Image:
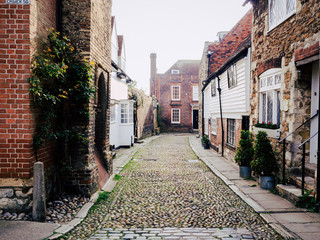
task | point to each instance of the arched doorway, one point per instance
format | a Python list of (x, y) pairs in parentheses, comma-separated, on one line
[(101, 119)]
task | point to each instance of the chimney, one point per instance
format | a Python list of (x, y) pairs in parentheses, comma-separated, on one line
[(153, 72)]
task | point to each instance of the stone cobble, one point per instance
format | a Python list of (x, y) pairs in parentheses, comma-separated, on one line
[(173, 233), (167, 193)]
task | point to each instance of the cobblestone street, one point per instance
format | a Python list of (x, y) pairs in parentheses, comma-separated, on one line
[(165, 192)]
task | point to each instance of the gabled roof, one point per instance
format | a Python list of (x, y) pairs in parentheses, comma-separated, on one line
[(189, 67), (238, 37), (120, 44)]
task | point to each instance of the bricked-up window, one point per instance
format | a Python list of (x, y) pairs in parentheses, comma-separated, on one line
[(175, 115), (214, 126), (195, 93), (113, 113), (175, 93), (269, 109), (280, 10), (175, 71), (213, 87), (232, 76), (231, 125)]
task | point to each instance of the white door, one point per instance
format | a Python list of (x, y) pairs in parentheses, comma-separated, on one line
[(314, 108)]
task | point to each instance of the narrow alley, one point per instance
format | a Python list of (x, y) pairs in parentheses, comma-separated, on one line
[(166, 192)]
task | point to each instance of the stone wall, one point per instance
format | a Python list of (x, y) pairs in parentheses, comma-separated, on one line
[(294, 39), (88, 24), (145, 116)]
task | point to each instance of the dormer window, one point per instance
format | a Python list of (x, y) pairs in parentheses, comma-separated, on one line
[(175, 71), (280, 10)]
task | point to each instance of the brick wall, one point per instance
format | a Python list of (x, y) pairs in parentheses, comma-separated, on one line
[(88, 24), (295, 39)]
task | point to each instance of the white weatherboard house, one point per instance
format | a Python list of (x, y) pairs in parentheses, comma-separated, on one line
[(121, 108)]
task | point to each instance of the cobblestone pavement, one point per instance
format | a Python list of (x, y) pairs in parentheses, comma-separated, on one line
[(166, 193)]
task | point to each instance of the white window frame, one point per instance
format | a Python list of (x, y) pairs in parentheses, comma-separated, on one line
[(172, 93), (280, 17), (113, 115), (232, 76), (206, 126), (175, 71), (130, 114), (213, 126), (270, 83), (213, 87), (172, 115), (231, 132), (195, 93)]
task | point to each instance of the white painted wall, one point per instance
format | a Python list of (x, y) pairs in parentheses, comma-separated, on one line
[(235, 100), (119, 88), (121, 134)]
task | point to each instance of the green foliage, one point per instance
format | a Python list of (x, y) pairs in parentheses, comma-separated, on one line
[(264, 161), (135, 94), (308, 202), (61, 87), (244, 154), (117, 177), (205, 139), (103, 196), (268, 125)]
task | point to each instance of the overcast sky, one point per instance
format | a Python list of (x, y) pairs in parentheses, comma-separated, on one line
[(173, 29)]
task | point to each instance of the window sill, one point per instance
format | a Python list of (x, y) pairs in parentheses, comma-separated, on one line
[(272, 133), (175, 122), (230, 146)]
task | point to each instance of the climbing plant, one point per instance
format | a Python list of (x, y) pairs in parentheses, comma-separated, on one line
[(61, 87)]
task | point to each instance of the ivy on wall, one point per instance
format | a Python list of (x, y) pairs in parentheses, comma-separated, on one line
[(61, 87)]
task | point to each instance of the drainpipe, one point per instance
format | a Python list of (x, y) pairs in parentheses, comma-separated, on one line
[(318, 155), (202, 113), (222, 135)]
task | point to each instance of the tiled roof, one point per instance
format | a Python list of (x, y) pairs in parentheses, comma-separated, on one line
[(120, 44), (189, 67), (232, 43)]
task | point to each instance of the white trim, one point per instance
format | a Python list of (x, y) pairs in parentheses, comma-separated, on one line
[(269, 78), (175, 99), (172, 109)]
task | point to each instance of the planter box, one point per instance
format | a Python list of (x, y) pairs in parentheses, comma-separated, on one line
[(272, 133)]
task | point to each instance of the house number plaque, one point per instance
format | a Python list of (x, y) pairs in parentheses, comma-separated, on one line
[(23, 2)]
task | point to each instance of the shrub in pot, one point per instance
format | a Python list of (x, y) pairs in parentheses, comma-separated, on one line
[(205, 141), (264, 161), (244, 154)]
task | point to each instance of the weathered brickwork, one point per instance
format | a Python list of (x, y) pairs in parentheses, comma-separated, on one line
[(295, 39), (20, 27), (88, 24), (186, 78)]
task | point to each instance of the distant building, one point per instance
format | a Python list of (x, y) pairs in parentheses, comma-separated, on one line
[(177, 93), (121, 108), (229, 71)]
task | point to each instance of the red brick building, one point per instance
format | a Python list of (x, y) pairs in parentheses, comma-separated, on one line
[(177, 93), (22, 23)]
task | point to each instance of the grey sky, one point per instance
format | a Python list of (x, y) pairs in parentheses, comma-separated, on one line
[(173, 29)]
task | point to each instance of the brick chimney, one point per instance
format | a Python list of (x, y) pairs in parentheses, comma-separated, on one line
[(153, 72)]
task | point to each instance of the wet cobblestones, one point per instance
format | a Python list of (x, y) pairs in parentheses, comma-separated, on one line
[(164, 187)]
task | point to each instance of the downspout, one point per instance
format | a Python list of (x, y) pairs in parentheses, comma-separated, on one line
[(222, 129), (202, 91), (318, 155)]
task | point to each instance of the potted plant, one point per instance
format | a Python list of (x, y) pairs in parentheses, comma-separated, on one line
[(244, 154), (264, 161), (205, 141)]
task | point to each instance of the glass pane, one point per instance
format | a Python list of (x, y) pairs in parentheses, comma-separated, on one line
[(269, 107), (278, 108), (277, 79), (281, 12), (291, 6), (264, 108), (272, 13)]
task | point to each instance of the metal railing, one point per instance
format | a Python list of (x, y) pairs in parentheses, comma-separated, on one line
[(303, 145), (283, 140)]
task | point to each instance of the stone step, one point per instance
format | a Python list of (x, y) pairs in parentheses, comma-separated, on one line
[(289, 192), (296, 180)]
